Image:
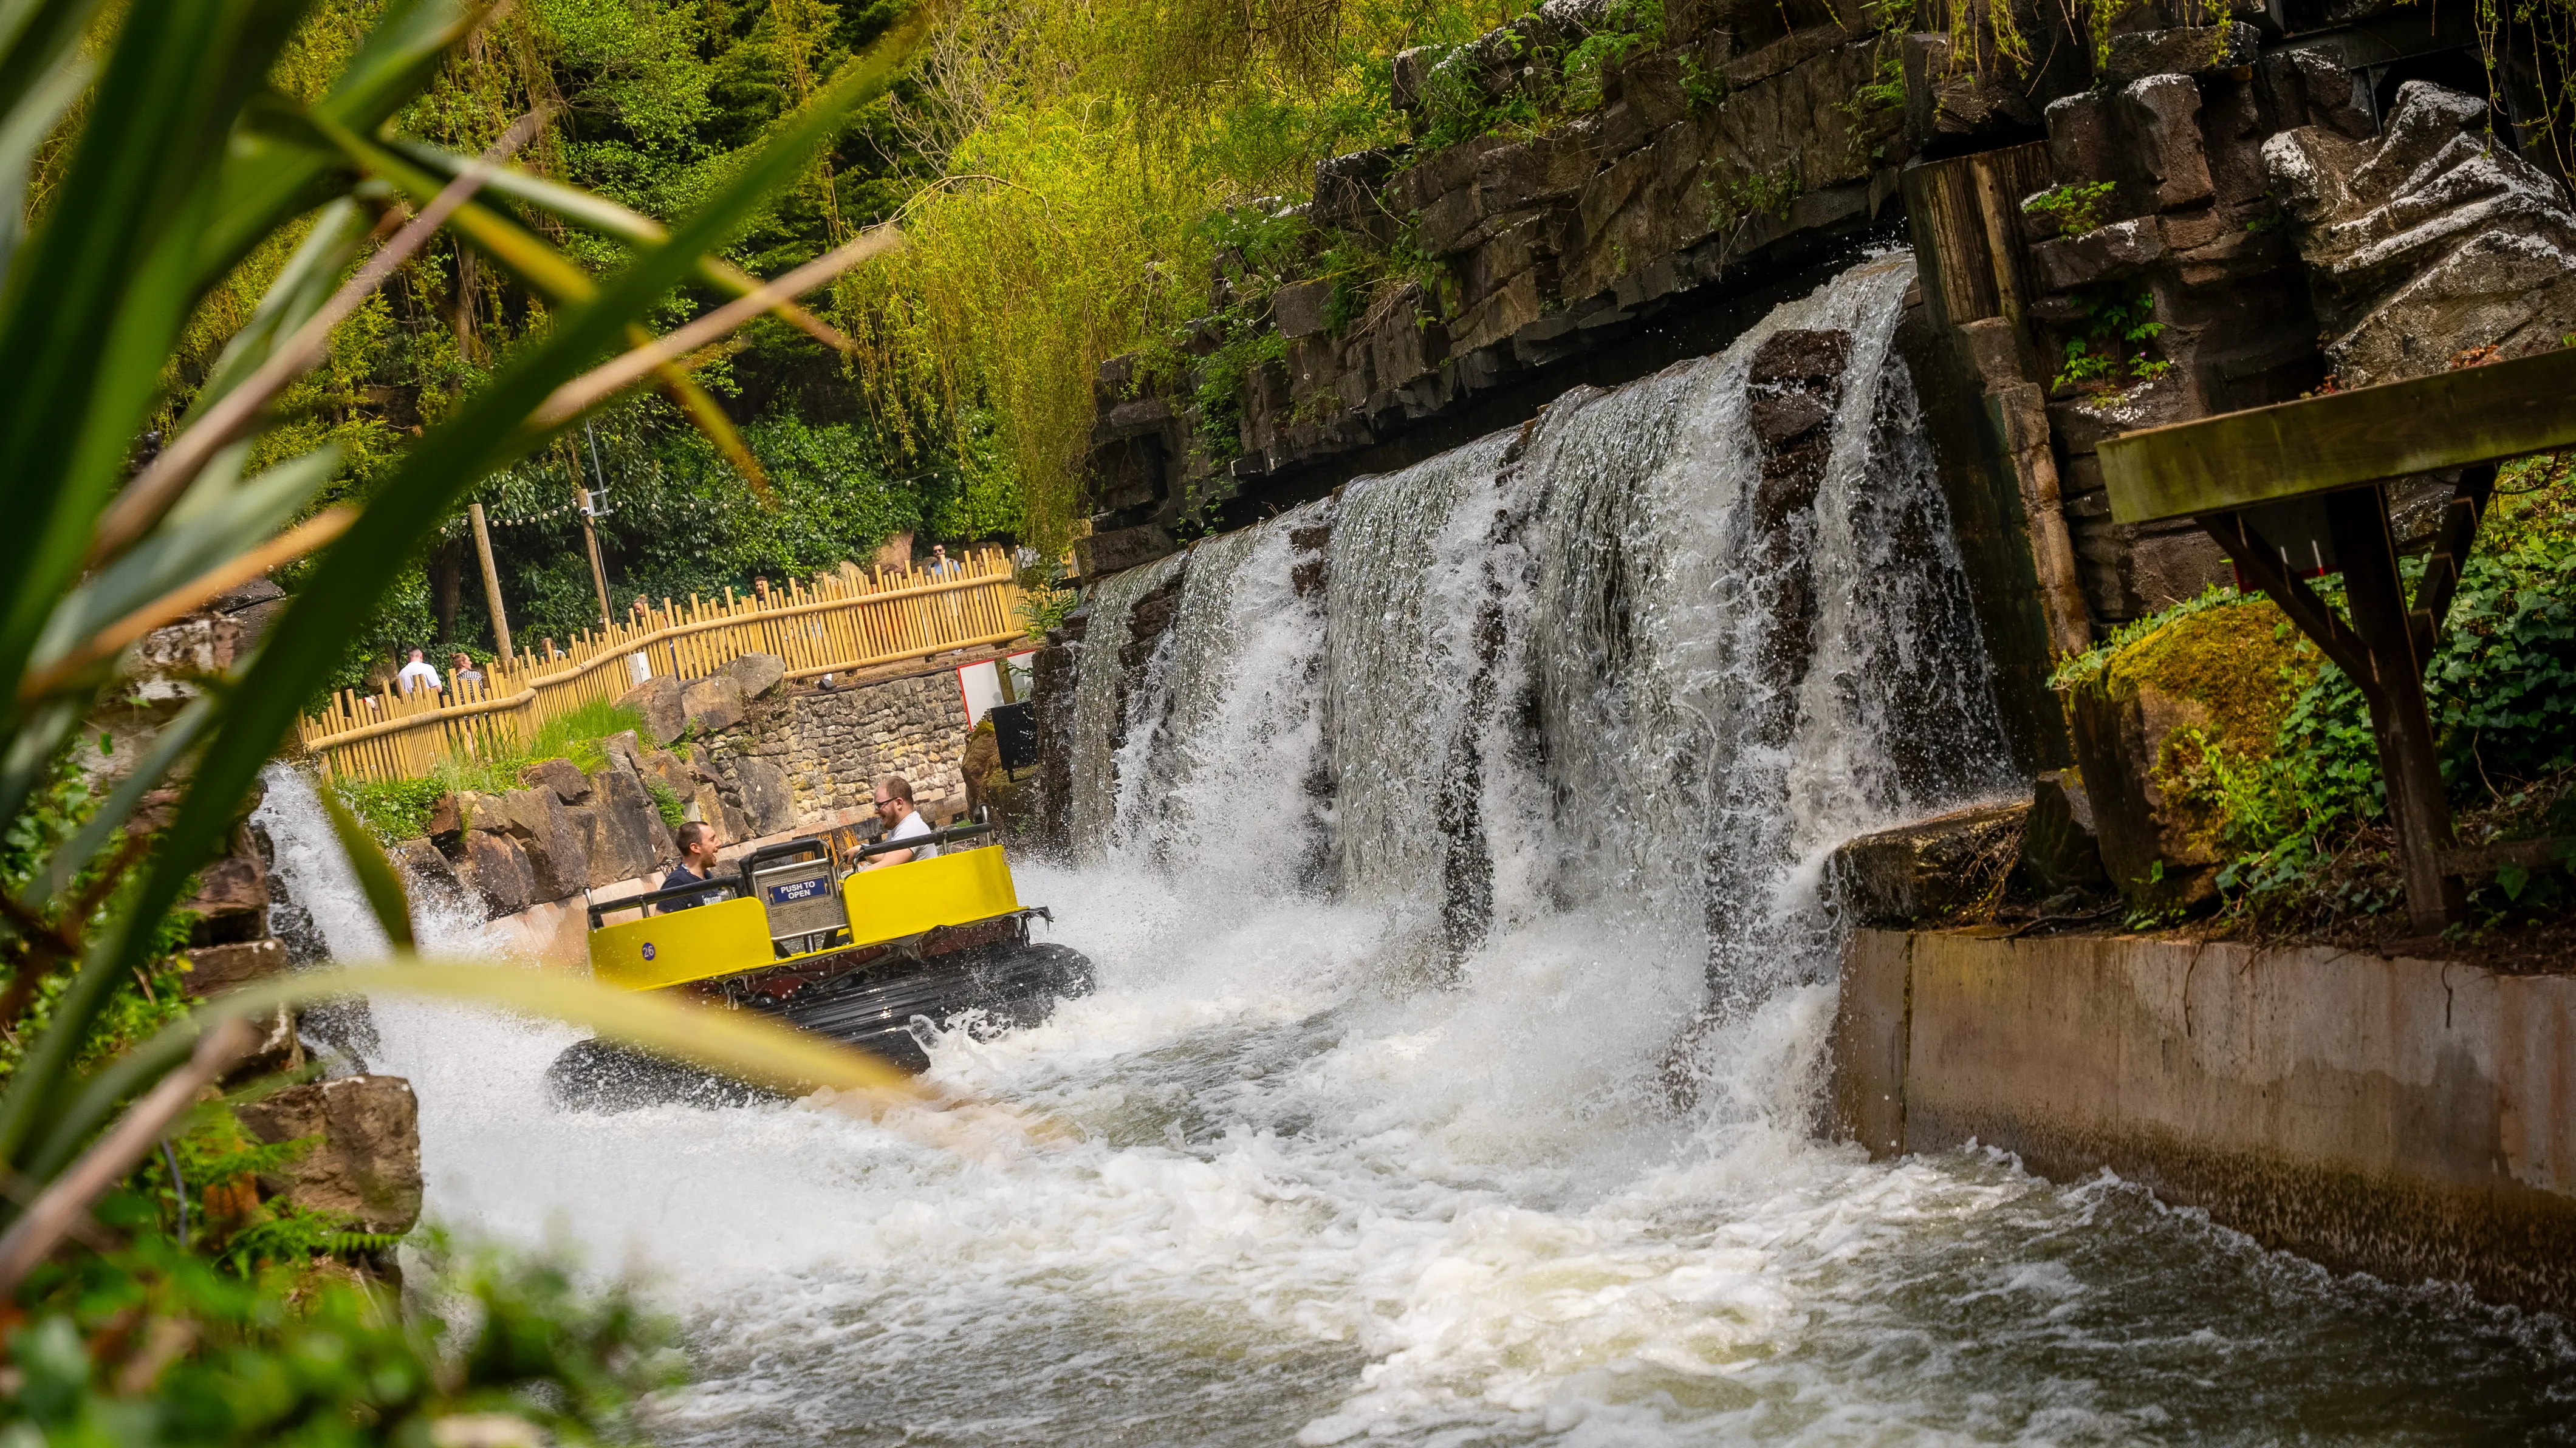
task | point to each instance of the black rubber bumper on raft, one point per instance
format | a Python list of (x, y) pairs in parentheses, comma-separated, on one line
[(995, 989)]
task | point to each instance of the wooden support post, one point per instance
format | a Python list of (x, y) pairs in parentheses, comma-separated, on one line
[(2418, 807), (491, 583)]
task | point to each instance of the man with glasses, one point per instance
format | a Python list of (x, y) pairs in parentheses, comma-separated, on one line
[(902, 822)]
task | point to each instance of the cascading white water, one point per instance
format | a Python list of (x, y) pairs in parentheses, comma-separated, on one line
[(1400, 890)]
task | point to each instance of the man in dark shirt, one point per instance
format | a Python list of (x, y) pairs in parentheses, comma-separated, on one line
[(697, 842)]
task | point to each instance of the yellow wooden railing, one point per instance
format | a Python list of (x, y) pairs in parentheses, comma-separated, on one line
[(832, 624)]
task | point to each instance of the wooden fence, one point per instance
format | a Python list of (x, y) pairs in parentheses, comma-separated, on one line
[(826, 625)]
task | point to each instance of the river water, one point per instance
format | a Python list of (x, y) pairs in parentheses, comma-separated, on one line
[(1453, 1073)]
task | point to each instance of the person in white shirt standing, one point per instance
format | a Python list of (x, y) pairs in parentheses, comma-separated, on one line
[(902, 822), (418, 674)]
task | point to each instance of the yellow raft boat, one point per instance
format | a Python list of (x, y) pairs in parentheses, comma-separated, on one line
[(873, 957)]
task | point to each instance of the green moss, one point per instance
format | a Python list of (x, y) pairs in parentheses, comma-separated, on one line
[(2241, 661)]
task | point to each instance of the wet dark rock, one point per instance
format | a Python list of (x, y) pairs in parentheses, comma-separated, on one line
[(497, 870), (427, 874), (1927, 871), (2059, 851), (2186, 50)]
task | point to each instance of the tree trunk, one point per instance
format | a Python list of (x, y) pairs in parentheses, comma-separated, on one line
[(447, 584)]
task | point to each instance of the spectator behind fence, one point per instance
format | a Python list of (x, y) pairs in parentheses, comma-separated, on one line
[(697, 842), (902, 822), (461, 671), (417, 675)]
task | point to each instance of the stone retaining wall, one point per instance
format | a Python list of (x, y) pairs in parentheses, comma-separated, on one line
[(2409, 1118), (807, 752)]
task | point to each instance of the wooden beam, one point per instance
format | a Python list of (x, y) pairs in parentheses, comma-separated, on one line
[(2257, 559), (2441, 579), (2318, 444)]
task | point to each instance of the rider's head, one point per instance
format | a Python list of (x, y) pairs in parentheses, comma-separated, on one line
[(894, 799)]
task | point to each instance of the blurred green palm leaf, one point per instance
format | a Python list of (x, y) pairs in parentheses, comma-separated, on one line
[(181, 164)]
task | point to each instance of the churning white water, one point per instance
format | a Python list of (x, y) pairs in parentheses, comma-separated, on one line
[(1411, 848)]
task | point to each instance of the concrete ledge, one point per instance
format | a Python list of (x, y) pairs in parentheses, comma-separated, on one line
[(2409, 1118)]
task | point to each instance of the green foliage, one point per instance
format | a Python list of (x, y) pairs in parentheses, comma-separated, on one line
[(1629, 27), (2501, 689), (1733, 204), (2111, 341), (399, 809), (2074, 208), (154, 1345), (667, 803), (396, 809), (1705, 90)]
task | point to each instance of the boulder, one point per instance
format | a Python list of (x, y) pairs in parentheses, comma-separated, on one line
[(280, 1049), (1298, 309), (366, 1165), (231, 903), (1929, 870), (625, 751), (621, 830), (216, 968), (2163, 112), (2106, 253), (657, 701), (766, 802), (2185, 50), (2429, 243), (757, 674), (555, 844), (428, 876), (496, 868), (447, 822), (712, 705), (2058, 849), (562, 776)]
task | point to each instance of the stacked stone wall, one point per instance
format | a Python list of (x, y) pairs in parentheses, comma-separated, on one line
[(809, 752)]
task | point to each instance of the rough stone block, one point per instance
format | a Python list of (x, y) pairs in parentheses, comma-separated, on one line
[(1929, 869), (713, 704), (1102, 554), (2188, 50), (1298, 310), (231, 903), (766, 799), (2058, 849), (496, 868), (562, 776), (758, 675), (2106, 253), (658, 701), (555, 844), (2080, 144), (625, 751), (622, 844), (427, 875), (367, 1164), (214, 968), (447, 822), (2163, 114)]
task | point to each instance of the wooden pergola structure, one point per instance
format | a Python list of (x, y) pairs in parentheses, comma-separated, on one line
[(2300, 489)]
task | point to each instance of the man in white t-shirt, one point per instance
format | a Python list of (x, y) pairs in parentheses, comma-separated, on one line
[(902, 822), (418, 674)]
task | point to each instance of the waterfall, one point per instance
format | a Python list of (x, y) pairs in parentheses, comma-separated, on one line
[(1621, 660)]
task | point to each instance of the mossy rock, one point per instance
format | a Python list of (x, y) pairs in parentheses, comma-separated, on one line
[(2222, 675)]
